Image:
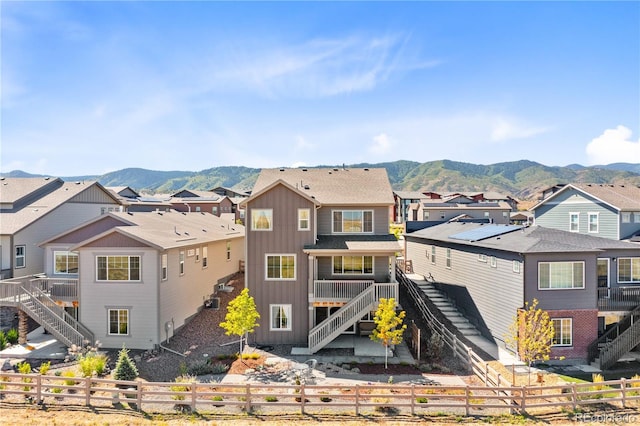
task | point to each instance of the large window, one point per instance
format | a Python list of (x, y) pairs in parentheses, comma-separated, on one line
[(629, 269), (262, 219), (304, 223), (119, 321), (353, 265), (21, 256), (280, 317), (165, 266), (562, 335), (65, 262), (118, 268), (593, 222), (352, 221), (281, 267), (560, 275), (574, 222)]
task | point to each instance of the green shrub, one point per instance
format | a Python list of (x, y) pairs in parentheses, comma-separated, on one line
[(44, 367), (25, 368), (69, 374), (219, 368), (181, 386), (92, 363), (12, 336), (635, 385), (125, 368), (3, 340), (217, 398)]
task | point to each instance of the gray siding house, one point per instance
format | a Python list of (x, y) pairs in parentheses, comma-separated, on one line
[(319, 252), (490, 271), (608, 211)]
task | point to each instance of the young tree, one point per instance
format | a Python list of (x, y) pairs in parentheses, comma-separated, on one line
[(532, 333), (125, 368), (242, 316), (388, 330)]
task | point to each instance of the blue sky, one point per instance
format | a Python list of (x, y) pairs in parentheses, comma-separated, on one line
[(93, 87)]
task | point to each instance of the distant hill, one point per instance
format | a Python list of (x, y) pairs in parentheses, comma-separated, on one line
[(521, 179)]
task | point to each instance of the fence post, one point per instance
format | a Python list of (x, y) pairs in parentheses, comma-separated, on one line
[(247, 396), (413, 399), (38, 389), (523, 403), (486, 373), (467, 401), (574, 396), (193, 396), (302, 398), (139, 395), (357, 400), (623, 391), (87, 391)]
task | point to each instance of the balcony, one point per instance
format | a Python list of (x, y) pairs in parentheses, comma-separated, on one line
[(342, 291), (64, 291), (618, 298)]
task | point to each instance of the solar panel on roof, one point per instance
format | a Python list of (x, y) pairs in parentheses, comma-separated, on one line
[(149, 200), (484, 232)]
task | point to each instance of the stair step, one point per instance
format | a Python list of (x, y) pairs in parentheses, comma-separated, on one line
[(470, 332)]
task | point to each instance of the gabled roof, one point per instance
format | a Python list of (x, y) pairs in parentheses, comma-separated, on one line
[(193, 193), (166, 230), (619, 197), (12, 190), (273, 184), (532, 239), (12, 222), (333, 186), (409, 195), (441, 204)]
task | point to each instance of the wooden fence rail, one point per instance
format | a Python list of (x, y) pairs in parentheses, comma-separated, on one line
[(417, 399)]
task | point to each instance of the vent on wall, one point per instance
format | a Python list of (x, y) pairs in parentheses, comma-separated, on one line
[(213, 303)]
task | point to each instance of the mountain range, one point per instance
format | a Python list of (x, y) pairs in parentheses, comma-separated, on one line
[(521, 179)]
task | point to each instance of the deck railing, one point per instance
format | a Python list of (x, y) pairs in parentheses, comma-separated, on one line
[(339, 290), (618, 298)]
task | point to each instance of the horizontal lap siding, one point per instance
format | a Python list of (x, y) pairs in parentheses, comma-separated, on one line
[(492, 294), (283, 239)]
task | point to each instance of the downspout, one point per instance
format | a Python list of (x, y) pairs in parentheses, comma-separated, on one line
[(172, 351)]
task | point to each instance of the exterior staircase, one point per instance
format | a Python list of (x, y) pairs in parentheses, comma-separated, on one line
[(29, 296), (336, 323), (617, 341), (448, 309)]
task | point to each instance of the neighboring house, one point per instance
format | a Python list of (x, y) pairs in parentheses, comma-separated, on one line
[(228, 192), (319, 252), (609, 211), (521, 218), (188, 200), (33, 209), (134, 278), (403, 201), (585, 283), (135, 202)]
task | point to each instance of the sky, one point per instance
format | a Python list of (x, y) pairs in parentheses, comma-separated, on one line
[(93, 87)]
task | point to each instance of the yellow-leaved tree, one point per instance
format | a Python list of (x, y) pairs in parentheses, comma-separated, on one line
[(389, 327), (532, 333), (242, 316)]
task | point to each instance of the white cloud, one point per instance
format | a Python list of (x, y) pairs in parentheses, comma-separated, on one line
[(382, 144), (505, 129), (303, 144), (614, 146)]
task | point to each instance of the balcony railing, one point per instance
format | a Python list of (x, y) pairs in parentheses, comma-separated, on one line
[(618, 298), (339, 290)]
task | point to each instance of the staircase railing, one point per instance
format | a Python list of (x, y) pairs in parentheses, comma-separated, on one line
[(611, 353), (349, 314), (597, 346)]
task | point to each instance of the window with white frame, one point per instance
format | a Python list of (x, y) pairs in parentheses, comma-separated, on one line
[(197, 254), (626, 217), (228, 250), (628, 269), (65, 262), (560, 275), (448, 258), (352, 221), (280, 317), (574, 222), (119, 322), (281, 267), (515, 266), (636, 217), (493, 262), (562, 332), (304, 222), (593, 222), (505, 214), (353, 265), (214, 210), (482, 258), (198, 209), (205, 256), (118, 268), (425, 214), (21, 256), (486, 214), (181, 262), (165, 266), (433, 255), (262, 219)]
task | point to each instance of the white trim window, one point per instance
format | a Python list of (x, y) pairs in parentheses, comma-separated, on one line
[(228, 251), (563, 332), (118, 320), (626, 217), (181, 262), (448, 258), (65, 262), (493, 262), (304, 219), (205, 256), (165, 266), (560, 275), (425, 214), (574, 222), (261, 219), (353, 221), (594, 223), (628, 269), (482, 258), (21, 256), (352, 265), (117, 268), (280, 317), (197, 254), (433, 255), (515, 266), (280, 267), (636, 217)]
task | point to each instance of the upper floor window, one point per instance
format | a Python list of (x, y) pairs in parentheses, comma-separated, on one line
[(493, 262), (425, 215), (574, 222), (197, 254), (214, 210), (562, 335), (482, 257), (181, 264), (486, 214), (65, 262), (198, 209), (262, 219), (636, 217), (354, 265), (304, 224), (515, 266), (448, 258), (433, 254), (228, 250), (560, 275), (118, 268), (593, 222), (352, 221), (628, 269), (21, 256), (281, 267), (205, 256), (165, 266), (626, 217)]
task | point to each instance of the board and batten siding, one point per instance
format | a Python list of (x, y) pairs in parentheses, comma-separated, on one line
[(284, 238), (488, 296), (555, 214), (380, 218), (140, 298)]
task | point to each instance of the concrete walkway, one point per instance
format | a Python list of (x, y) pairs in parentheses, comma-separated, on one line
[(39, 346)]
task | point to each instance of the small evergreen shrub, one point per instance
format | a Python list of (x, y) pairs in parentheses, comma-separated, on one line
[(202, 367), (125, 368), (12, 336)]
